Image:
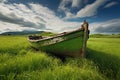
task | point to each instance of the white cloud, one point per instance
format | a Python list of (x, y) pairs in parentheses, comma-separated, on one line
[(9, 27), (19, 17), (67, 5), (76, 3), (69, 14), (110, 4), (63, 7), (90, 9), (14, 13), (63, 4), (6, 27), (105, 27), (3, 1)]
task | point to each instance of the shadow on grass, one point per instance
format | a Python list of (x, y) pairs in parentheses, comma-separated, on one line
[(108, 64)]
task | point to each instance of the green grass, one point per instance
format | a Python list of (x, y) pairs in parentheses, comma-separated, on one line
[(105, 52), (13, 44), (48, 34), (18, 61), (105, 35)]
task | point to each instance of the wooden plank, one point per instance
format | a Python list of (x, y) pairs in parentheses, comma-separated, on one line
[(85, 26)]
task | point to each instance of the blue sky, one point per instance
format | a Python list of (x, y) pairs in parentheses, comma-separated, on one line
[(59, 15)]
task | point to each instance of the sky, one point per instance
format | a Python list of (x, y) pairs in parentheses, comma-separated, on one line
[(59, 16)]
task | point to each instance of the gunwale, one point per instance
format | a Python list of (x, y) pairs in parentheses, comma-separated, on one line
[(59, 35)]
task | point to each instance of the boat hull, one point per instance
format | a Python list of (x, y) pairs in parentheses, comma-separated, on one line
[(67, 45), (72, 47)]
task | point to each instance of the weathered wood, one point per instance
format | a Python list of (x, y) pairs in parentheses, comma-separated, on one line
[(86, 35)]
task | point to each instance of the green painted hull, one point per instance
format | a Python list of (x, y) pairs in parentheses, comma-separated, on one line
[(70, 44), (70, 47)]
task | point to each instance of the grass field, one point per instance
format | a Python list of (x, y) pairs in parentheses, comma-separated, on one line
[(18, 61), (105, 52)]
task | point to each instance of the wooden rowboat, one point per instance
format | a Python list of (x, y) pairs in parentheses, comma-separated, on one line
[(64, 44)]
